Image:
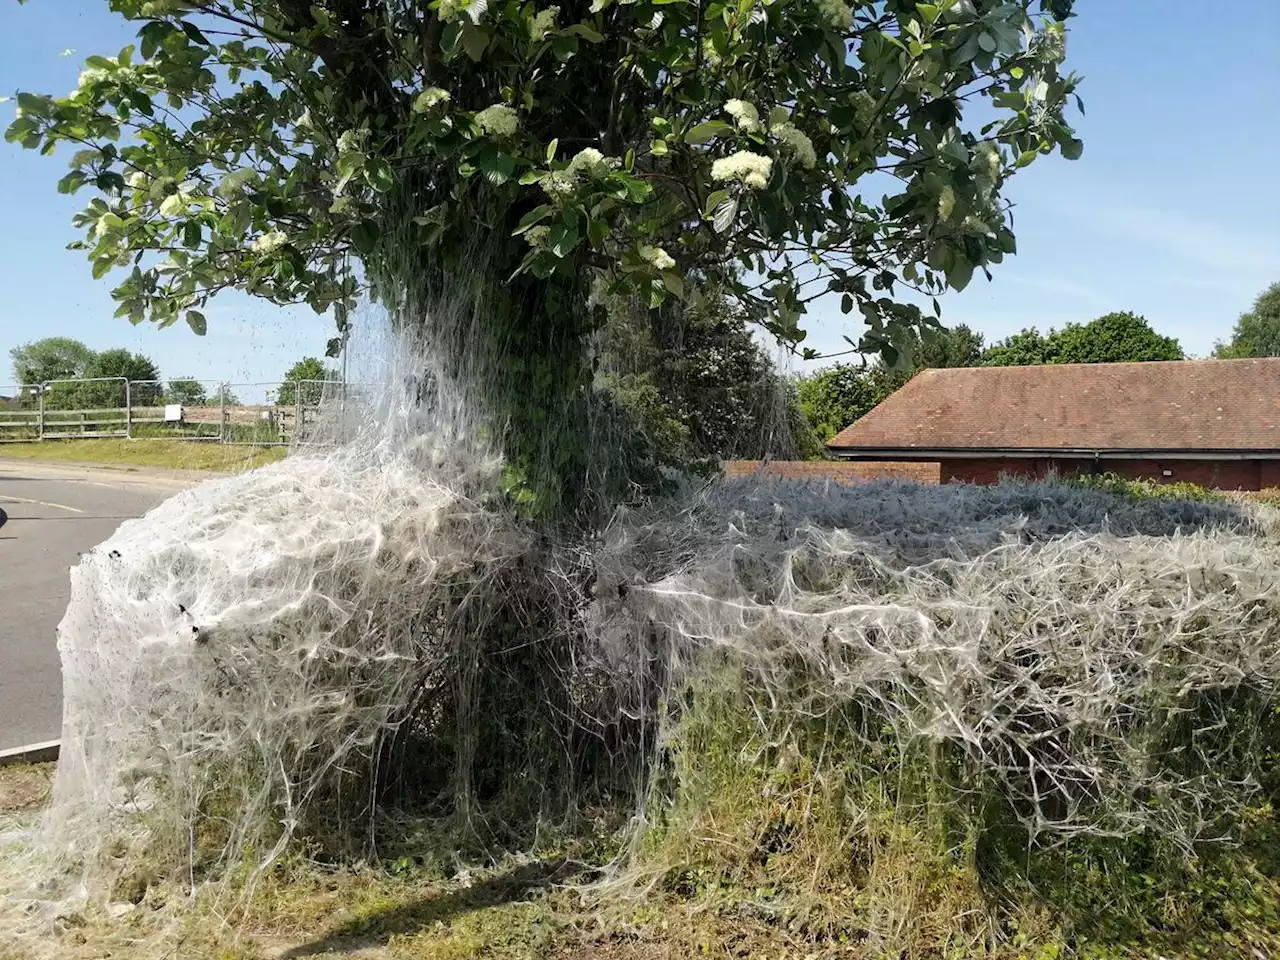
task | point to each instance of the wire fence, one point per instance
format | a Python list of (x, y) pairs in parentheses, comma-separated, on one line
[(275, 413)]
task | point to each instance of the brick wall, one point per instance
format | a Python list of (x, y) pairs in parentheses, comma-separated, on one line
[(841, 471), (1215, 474)]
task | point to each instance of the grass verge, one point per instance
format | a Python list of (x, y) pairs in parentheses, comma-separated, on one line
[(169, 454)]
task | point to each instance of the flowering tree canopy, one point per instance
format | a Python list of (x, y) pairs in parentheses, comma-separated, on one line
[(788, 148)]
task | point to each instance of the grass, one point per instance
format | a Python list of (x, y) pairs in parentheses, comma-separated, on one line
[(169, 454)]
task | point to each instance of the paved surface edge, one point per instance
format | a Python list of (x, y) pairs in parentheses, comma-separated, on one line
[(31, 753)]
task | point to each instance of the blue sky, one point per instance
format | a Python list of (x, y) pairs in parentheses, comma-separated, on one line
[(1171, 213)]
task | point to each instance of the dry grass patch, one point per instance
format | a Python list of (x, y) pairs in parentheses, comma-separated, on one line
[(25, 787), (169, 454)]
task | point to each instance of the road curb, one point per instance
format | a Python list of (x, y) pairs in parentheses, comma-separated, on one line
[(45, 752)]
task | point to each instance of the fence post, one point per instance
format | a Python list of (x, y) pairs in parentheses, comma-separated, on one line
[(222, 412), (40, 415), (128, 409)]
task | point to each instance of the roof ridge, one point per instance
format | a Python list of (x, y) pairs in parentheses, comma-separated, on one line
[(1201, 404)]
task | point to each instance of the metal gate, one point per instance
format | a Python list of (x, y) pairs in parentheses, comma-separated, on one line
[(94, 408)]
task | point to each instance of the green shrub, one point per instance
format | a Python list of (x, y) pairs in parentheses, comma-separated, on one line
[(1145, 489)]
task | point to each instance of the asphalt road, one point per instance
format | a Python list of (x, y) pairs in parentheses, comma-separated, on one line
[(49, 515)]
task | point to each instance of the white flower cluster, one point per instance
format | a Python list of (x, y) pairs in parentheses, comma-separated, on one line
[(864, 107), (235, 182), (656, 256), (798, 142), (1050, 44), (744, 114), (428, 98), (91, 76), (138, 179), (270, 242), (710, 54), (986, 162), (588, 164), (592, 164), (559, 185), (449, 9), (543, 22), (744, 167), (498, 120), (836, 13), (537, 236), (350, 141)]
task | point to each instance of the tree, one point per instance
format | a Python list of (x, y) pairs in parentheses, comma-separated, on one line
[(957, 347), (1112, 338), (695, 381), (834, 397), (187, 392), (114, 365), (309, 373), (511, 156), (1025, 349), (1256, 333), (53, 358)]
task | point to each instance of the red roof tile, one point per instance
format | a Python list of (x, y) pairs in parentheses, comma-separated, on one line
[(1186, 405)]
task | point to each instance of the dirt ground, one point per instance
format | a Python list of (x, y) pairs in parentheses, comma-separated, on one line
[(25, 787)]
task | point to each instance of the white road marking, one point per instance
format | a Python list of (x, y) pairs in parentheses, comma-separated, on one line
[(10, 498)]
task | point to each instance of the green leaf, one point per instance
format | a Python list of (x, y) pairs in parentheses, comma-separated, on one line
[(637, 190), (365, 236), (173, 205), (563, 239), (725, 215), (72, 182), (498, 168), (597, 232), (532, 218), (714, 201), (551, 149), (589, 34), (707, 131), (34, 104), (193, 32), (349, 164), (1073, 149), (474, 41), (987, 42), (378, 174), (100, 267), (197, 323), (960, 272), (659, 148), (191, 234), (564, 47), (673, 282)]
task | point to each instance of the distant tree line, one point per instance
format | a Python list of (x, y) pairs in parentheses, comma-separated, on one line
[(1257, 332), (65, 359)]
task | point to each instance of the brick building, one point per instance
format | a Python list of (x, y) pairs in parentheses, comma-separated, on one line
[(1215, 423)]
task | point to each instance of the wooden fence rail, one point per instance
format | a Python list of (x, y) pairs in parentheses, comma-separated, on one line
[(48, 411)]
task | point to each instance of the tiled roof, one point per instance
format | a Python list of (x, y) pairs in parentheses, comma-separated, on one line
[(1186, 405)]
